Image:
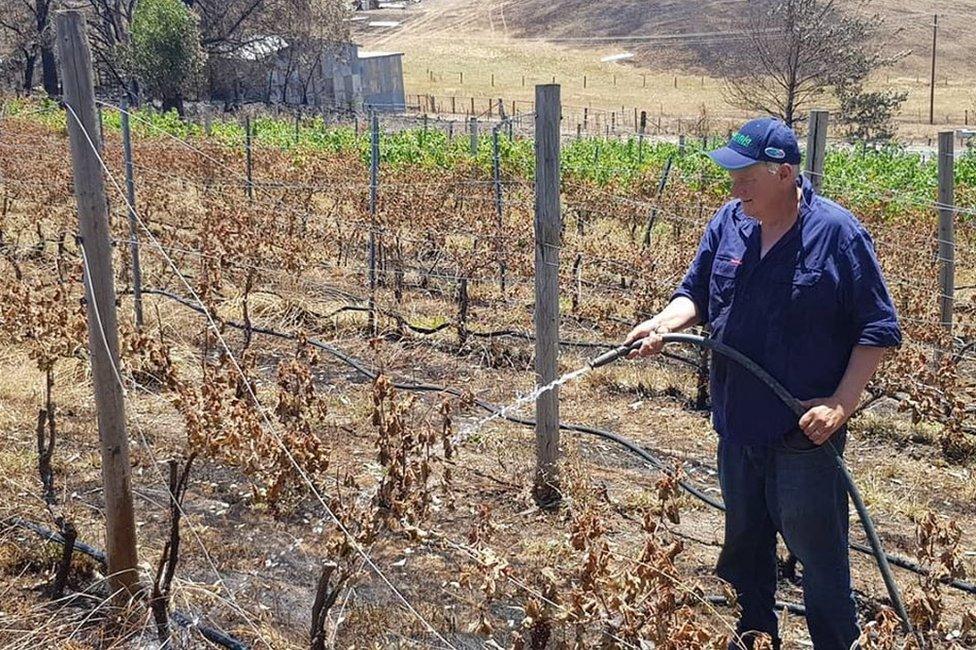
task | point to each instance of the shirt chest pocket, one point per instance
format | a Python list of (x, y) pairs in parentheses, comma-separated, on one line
[(725, 272), (806, 295), (805, 283)]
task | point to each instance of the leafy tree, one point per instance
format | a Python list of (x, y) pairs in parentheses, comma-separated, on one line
[(794, 52), (867, 115), (165, 50)]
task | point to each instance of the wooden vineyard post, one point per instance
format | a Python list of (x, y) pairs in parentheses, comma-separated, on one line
[(473, 129), (947, 262), (79, 99), (496, 174), (816, 146), (547, 238), (374, 173), (130, 190)]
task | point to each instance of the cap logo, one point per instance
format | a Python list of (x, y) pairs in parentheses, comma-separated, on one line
[(773, 152), (741, 139)]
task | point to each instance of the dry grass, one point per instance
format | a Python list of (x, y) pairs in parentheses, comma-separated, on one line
[(506, 41), (267, 565)]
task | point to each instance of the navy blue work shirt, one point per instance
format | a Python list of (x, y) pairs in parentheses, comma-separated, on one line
[(798, 312)]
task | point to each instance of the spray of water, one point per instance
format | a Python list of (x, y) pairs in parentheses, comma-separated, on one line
[(470, 429)]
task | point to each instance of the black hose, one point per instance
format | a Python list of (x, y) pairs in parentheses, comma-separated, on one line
[(798, 409), (210, 633)]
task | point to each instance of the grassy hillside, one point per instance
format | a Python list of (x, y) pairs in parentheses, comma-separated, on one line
[(504, 48)]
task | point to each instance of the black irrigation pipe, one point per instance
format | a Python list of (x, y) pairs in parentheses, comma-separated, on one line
[(211, 634), (792, 608), (57, 538), (895, 560), (420, 329)]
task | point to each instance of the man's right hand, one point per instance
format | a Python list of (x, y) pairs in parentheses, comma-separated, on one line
[(649, 333)]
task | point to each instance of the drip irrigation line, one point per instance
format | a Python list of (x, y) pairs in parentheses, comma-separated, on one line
[(792, 608), (420, 329), (664, 467), (210, 633), (57, 538)]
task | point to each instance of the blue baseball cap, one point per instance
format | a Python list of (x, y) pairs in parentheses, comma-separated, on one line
[(764, 139)]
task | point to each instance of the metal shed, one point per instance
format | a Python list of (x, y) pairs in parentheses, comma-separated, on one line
[(382, 80), (339, 76)]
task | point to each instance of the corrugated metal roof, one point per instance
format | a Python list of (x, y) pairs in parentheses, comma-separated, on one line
[(375, 55), (260, 47)]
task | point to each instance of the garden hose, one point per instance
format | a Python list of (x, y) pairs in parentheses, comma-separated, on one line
[(797, 407)]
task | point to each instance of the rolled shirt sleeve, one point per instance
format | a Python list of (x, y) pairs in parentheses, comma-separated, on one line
[(868, 300)]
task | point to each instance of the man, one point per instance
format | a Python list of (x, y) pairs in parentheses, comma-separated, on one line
[(791, 280)]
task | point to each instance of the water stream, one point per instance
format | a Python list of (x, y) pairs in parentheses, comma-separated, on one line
[(469, 429)]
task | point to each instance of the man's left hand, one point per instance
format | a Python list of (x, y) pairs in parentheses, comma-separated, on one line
[(823, 417)]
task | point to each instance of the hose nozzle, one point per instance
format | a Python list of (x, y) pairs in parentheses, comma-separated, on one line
[(614, 354)]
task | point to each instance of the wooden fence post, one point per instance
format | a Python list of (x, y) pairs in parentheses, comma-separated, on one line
[(130, 190), (816, 146), (79, 98), (947, 263), (547, 238)]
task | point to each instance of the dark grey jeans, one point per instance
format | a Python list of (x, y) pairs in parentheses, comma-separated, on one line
[(803, 496)]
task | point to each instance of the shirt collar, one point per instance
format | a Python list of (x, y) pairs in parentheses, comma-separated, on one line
[(807, 192)]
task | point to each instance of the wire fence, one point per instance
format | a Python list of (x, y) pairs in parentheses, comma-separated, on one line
[(598, 288)]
